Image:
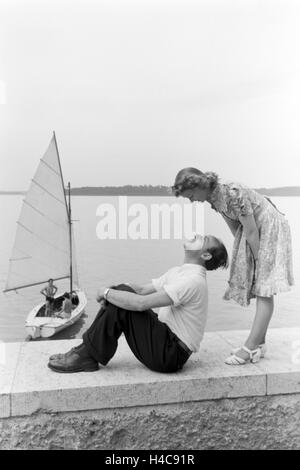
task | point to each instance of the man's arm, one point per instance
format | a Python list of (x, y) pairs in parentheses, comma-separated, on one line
[(136, 302), (142, 290), (43, 292)]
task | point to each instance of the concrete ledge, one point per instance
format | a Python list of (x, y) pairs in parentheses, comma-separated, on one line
[(27, 386)]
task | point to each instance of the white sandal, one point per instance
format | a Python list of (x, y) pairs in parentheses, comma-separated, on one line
[(262, 347), (254, 356)]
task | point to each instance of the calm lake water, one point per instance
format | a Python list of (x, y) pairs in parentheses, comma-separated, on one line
[(105, 262)]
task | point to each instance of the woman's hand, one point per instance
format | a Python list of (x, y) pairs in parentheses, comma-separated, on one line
[(255, 261)]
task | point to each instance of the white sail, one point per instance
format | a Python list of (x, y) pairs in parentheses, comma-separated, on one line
[(42, 244)]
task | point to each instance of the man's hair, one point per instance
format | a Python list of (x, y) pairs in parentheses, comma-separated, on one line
[(219, 257), (50, 280)]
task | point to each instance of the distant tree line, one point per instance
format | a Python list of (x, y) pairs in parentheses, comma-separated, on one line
[(127, 190), (150, 190), (160, 190)]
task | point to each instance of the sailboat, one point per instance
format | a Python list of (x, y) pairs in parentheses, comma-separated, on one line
[(44, 246)]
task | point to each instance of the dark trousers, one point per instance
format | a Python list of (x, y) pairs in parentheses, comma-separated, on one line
[(151, 341)]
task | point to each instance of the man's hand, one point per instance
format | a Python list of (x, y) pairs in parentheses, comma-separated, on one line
[(100, 297), (100, 294)]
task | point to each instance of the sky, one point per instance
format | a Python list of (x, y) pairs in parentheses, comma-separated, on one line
[(136, 90)]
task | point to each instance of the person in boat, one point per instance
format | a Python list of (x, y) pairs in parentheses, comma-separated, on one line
[(67, 307), (163, 342), (74, 298), (49, 292), (49, 307)]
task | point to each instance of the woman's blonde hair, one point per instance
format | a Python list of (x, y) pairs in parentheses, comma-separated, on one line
[(190, 178)]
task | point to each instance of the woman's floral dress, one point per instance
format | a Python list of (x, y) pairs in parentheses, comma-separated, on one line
[(273, 272)]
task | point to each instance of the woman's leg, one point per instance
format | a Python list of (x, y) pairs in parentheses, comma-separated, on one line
[(264, 311)]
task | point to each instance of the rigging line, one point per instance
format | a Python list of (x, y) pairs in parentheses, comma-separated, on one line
[(21, 277), (47, 243), (61, 176), (63, 227), (25, 228), (36, 261), (23, 253), (16, 275), (46, 190), (50, 167), (44, 215), (43, 264), (35, 284), (34, 208)]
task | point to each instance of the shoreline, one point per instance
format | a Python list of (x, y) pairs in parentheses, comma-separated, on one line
[(135, 195)]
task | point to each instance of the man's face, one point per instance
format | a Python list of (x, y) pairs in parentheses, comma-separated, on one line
[(200, 243), (195, 243)]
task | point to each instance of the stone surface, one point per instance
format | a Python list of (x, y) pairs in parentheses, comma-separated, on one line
[(28, 386), (207, 405), (125, 382), (269, 422), (282, 362)]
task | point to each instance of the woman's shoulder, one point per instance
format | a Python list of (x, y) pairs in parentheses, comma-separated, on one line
[(229, 190), (233, 186), (240, 190), (239, 198), (234, 198)]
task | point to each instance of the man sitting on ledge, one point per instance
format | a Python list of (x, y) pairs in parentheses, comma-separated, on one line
[(161, 342)]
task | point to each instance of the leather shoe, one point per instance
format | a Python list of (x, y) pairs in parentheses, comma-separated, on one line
[(59, 355), (73, 362)]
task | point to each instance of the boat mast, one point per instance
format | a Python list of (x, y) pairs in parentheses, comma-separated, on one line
[(70, 238), (68, 208)]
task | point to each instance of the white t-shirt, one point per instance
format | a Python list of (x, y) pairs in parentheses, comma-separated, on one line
[(186, 286)]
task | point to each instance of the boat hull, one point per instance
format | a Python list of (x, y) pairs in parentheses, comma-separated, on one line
[(45, 327)]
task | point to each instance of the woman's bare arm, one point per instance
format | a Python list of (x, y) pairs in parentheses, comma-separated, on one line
[(232, 224), (251, 233)]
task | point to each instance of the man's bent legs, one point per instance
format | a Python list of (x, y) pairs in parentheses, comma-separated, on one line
[(151, 341)]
